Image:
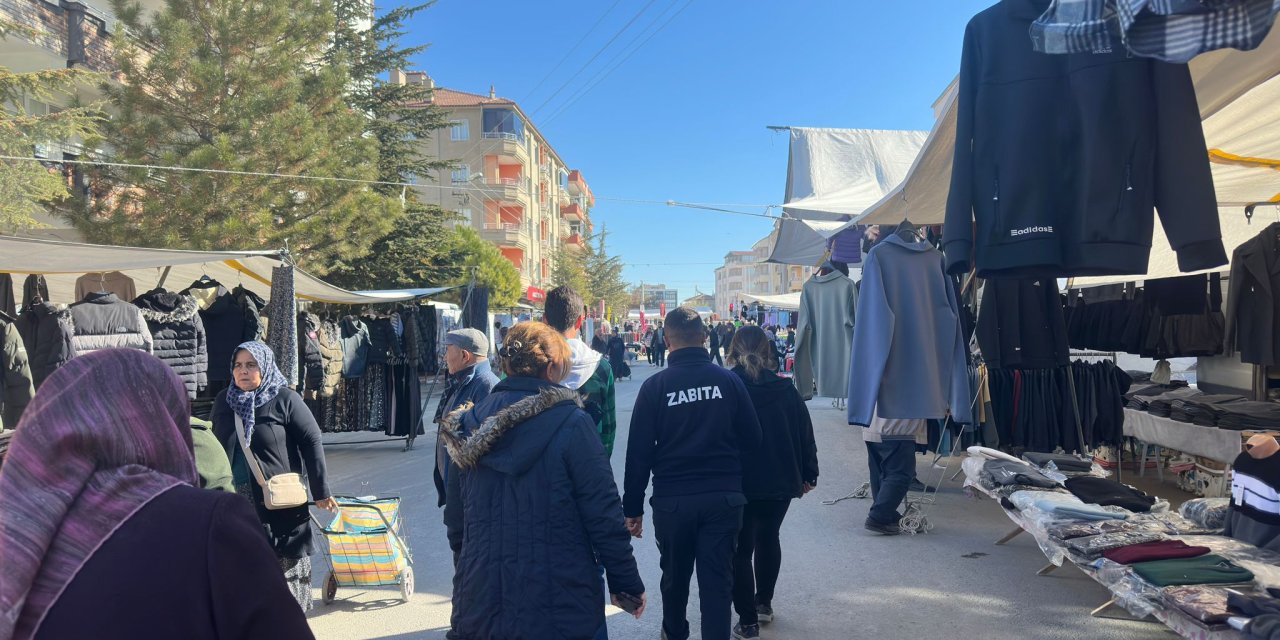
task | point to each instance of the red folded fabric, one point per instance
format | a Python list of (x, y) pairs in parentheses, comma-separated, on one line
[(1147, 551)]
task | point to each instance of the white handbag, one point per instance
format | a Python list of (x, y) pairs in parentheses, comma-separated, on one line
[(283, 491)]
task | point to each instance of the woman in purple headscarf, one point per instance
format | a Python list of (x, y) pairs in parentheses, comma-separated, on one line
[(102, 534), (284, 438)]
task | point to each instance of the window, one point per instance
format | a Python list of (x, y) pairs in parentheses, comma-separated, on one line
[(460, 130), (466, 215), (462, 174)]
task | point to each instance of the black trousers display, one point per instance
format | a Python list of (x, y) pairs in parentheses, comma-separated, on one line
[(758, 540), (699, 530)]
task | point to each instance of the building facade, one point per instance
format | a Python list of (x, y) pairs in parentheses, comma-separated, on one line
[(508, 184), (746, 272)]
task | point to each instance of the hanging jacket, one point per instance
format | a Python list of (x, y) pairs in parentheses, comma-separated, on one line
[(310, 359), (539, 510), (104, 321), (355, 347), (178, 335), (1253, 300), (384, 345), (17, 388), (230, 318), (46, 333), (1060, 159), (787, 457), (332, 357), (824, 334)]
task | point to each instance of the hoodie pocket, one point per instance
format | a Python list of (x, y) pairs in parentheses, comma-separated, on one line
[(997, 220), (1123, 219)]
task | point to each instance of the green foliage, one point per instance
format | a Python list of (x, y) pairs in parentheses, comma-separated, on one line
[(418, 253), (238, 85), (475, 254), (27, 187), (604, 275), (570, 270)]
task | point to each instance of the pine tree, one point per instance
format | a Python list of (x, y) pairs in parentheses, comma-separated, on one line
[(239, 86), (27, 187), (604, 275), (570, 271), (479, 256)]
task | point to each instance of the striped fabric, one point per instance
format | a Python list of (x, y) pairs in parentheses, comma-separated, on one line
[(1168, 30), (362, 549)]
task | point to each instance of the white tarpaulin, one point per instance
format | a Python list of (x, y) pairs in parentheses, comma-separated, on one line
[(62, 263), (833, 174), (1239, 99), (784, 302)]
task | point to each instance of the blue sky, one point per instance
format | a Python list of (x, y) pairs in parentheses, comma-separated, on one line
[(683, 117)]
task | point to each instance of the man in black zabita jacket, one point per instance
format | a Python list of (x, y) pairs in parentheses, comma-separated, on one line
[(690, 426), (1061, 158)]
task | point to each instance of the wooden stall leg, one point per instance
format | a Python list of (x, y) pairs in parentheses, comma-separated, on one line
[(1011, 535)]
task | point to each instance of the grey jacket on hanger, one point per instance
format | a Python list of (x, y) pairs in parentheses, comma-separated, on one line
[(824, 335)]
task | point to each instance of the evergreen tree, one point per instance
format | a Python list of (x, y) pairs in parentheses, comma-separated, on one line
[(570, 271), (604, 275), (27, 187), (479, 256), (241, 86)]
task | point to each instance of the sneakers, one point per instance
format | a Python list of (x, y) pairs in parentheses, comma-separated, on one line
[(746, 631), (765, 613), (891, 529)]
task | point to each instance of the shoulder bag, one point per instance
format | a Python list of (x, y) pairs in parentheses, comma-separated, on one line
[(283, 491)]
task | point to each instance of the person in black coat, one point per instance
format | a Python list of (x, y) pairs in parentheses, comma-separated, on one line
[(540, 510), (283, 438), (785, 466)]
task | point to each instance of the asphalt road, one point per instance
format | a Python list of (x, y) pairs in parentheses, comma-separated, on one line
[(838, 580)]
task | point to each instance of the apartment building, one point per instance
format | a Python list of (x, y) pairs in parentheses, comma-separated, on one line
[(653, 296), (509, 183), (747, 272)]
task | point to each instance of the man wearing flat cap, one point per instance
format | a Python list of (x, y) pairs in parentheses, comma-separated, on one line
[(470, 380)]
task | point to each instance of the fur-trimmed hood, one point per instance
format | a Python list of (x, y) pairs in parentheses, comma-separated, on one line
[(513, 451), (165, 307)]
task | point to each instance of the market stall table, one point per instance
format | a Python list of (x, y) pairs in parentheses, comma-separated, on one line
[(1221, 445)]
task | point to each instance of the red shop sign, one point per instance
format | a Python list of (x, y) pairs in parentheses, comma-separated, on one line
[(535, 294)]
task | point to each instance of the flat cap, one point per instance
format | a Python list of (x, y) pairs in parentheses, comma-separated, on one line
[(472, 340)]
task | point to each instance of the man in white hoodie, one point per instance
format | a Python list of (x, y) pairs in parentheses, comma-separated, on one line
[(589, 372)]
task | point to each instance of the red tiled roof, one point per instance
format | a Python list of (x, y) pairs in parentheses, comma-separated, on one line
[(451, 98)]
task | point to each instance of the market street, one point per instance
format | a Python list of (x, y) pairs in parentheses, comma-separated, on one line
[(838, 580)]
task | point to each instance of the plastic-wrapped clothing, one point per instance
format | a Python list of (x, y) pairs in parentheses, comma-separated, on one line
[(1157, 550), (1206, 569), (1021, 473), (1210, 513), (1092, 546), (1206, 604), (1107, 492)]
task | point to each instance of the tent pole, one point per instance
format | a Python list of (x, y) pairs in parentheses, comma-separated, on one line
[(164, 275)]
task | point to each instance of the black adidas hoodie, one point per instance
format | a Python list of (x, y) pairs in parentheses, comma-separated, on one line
[(1060, 158)]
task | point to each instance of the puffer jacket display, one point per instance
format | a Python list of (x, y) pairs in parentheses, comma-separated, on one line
[(16, 389), (355, 347), (230, 318), (539, 510), (178, 335), (46, 332), (104, 321), (331, 356)]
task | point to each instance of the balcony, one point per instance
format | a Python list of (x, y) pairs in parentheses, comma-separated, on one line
[(575, 240), (511, 190), (577, 185), (572, 211), (545, 169), (505, 234), (73, 34), (509, 146)]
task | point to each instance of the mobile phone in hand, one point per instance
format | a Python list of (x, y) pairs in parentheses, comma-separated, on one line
[(629, 603)]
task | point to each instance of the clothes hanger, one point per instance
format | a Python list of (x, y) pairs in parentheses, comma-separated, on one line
[(908, 231)]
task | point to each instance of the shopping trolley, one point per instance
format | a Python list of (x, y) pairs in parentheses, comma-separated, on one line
[(366, 548)]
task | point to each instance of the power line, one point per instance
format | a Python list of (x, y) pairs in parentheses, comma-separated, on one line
[(596, 54), (265, 174), (571, 51), (591, 84)]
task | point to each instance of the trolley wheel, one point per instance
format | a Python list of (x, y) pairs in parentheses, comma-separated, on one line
[(330, 589), (406, 583)]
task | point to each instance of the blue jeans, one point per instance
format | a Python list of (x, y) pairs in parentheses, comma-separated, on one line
[(892, 465)]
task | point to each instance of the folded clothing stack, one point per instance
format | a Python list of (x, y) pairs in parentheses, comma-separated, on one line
[(1084, 529), (1206, 569), (1151, 551), (1206, 604), (1107, 492), (1062, 462), (1254, 604), (1094, 546), (1005, 473), (1203, 410), (1248, 414), (1065, 506), (1210, 513), (1162, 405)]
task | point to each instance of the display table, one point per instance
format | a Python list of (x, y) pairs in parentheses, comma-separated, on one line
[(1221, 445)]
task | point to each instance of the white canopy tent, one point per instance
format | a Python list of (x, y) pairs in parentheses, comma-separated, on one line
[(784, 302), (1237, 93), (832, 175), (62, 263)]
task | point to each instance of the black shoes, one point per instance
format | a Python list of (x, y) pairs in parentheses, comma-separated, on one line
[(765, 613), (920, 487), (891, 529), (746, 631)]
